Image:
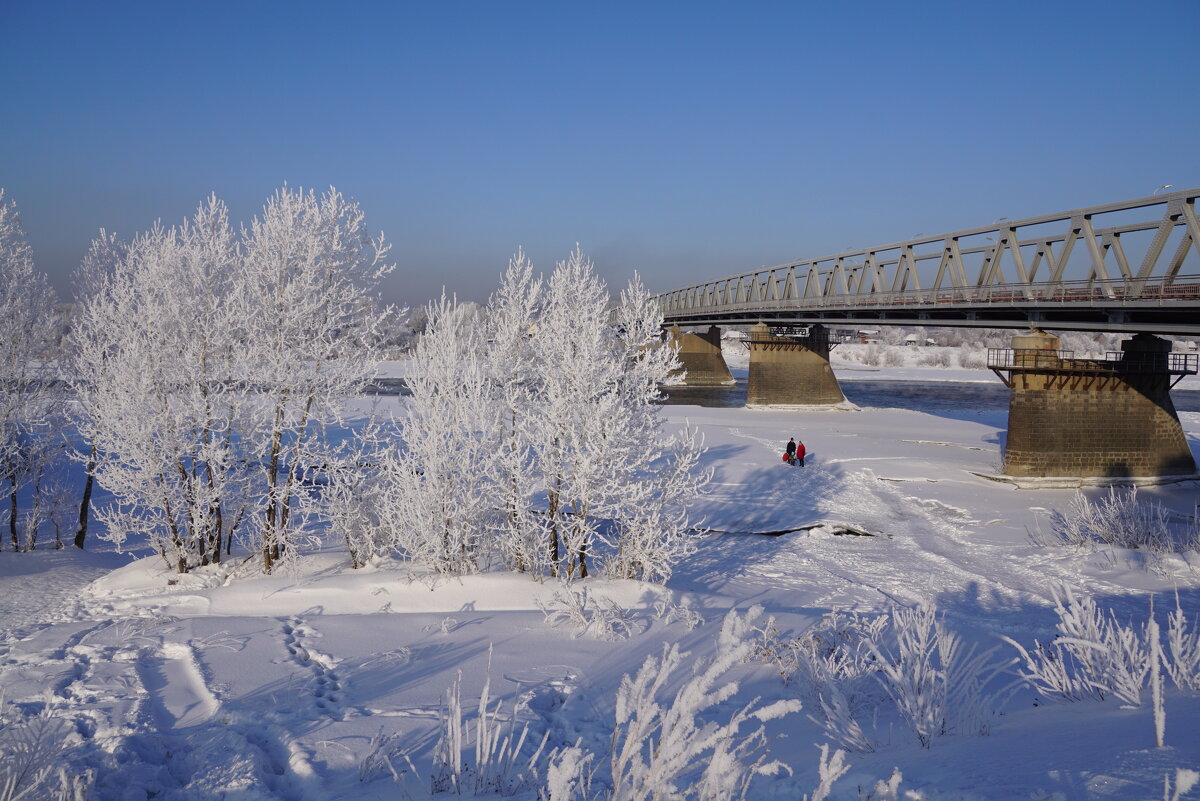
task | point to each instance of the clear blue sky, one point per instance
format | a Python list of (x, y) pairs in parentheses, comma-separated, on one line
[(685, 140)]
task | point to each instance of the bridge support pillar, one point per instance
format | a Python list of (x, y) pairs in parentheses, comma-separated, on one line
[(1093, 418), (791, 372), (701, 357)]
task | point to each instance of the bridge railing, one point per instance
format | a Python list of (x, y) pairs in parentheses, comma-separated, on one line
[(1097, 292), (1114, 361), (1142, 250)]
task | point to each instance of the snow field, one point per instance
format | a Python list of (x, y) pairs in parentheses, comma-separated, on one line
[(207, 686)]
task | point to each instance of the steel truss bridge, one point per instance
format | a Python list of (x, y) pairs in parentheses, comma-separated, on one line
[(1130, 266)]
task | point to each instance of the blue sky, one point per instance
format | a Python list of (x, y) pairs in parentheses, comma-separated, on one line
[(684, 140)]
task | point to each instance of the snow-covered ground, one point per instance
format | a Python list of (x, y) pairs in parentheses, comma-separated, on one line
[(214, 686)]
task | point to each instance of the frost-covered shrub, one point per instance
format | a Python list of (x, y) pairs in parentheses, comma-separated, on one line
[(893, 357), (497, 762), (1182, 655), (1185, 780), (1092, 656), (659, 748), (385, 754), (937, 685), (32, 758), (971, 360), (598, 618), (872, 355), (668, 611), (1118, 518), (850, 664), (829, 770), (569, 775), (662, 748), (935, 357)]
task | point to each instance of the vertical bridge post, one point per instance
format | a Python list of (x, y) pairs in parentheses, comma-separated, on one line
[(787, 371), (702, 358), (1093, 418)]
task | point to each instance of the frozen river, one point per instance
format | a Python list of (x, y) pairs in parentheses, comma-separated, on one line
[(899, 394), (882, 393)]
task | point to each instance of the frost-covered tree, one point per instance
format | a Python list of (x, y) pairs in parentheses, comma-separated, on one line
[(611, 476), (208, 365), (310, 339), (512, 315), (436, 500), (27, 330), (658, 474), (533, 435), (159, 394), (573, 349)]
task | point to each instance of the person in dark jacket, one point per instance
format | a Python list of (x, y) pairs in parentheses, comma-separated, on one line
[(800, 451), (791, 451)]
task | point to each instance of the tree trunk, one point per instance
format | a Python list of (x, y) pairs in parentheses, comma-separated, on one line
[(86, 504), (553, 510), (12, 512)]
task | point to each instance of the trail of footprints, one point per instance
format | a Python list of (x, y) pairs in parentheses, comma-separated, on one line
[(326, 684)]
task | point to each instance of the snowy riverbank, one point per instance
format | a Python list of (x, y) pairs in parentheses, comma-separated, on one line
[(273, 687)]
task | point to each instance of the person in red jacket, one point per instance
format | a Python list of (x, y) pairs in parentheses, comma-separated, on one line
[(800, 451)]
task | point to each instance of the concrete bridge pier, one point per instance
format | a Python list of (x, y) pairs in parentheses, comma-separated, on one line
[(1092, 418), (787, 371), (701, 357)]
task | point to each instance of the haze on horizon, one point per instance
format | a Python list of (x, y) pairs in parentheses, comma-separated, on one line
[(684, 141)]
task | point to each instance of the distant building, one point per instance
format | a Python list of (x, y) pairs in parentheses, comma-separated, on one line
[(869, 336)]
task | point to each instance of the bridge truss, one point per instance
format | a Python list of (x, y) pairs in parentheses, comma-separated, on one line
[(1129, 266)]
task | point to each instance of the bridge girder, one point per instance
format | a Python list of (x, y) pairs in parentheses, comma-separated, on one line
[(1131, 266)]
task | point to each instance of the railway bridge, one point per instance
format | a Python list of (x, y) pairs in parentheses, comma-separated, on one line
[(1129, 267)]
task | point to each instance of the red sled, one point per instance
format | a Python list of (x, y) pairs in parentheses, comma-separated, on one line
[(785, 457)]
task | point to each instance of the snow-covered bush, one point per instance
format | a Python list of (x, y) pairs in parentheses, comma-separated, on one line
[(1185, 780), (1092, 656), (1118, 518), (884, 790), (497, 762), (31, 758), (935, 357), (971, 360), (657, 748), (668, 611), (829, 770), (661, 748), (893, 357), (569, 775), (938, 686), (1182, 655), (385, 754), (598, 618)]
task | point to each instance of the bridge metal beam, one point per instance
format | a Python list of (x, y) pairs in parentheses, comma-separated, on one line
[(1087, 253)]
